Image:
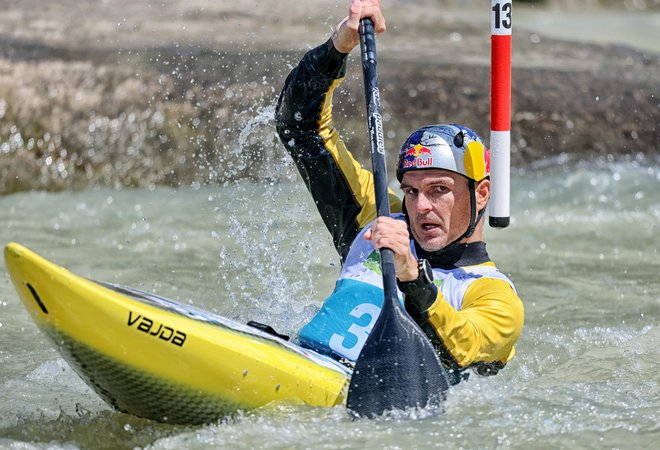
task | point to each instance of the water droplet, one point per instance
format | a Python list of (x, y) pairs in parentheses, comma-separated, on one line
[(455, 37)]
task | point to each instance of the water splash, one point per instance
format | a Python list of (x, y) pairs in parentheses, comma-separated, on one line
[(271, 273)]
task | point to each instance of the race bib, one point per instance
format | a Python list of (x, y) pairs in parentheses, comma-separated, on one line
[(342, 325)]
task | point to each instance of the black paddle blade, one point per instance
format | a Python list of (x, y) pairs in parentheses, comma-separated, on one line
[(398, 368)]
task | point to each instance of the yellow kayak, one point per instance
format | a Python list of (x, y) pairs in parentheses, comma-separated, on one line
[(156, 358)]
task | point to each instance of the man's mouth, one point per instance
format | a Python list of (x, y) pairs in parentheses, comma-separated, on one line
[(430, 226)]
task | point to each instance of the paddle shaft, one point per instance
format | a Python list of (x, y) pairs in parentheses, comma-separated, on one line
[(398, 367), (379, 168)]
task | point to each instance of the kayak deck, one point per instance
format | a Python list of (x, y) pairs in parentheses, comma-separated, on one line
[(156, 358)]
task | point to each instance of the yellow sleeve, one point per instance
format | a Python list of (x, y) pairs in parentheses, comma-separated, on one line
[(360, 180), (486, 327)]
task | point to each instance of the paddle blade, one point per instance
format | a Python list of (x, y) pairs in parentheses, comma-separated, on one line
[(398, 368)]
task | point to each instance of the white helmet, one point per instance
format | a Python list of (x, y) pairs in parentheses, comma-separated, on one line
[(450, 147)]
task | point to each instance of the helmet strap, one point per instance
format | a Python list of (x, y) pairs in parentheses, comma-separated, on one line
[(473, 210), (475, 216), (474, 219)]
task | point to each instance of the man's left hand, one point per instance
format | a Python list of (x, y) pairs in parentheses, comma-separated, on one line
[(387, 232)]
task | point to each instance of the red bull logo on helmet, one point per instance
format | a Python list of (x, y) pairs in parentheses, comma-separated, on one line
[(417, 156)]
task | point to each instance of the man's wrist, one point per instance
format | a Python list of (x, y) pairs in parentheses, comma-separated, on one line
[(410, 271), (331, 63), (418, 278), (421, 292), (419, 298), (339, 48), (410, 275)]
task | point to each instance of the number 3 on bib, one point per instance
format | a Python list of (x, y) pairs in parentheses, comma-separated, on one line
[(360, 332)]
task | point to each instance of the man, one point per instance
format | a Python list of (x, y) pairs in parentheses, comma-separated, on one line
[(468, 309)]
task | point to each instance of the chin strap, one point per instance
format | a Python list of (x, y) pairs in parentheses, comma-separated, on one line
[(474, 217), (474, 220)]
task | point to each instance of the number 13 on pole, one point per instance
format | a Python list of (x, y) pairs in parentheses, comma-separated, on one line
[(500, 113)]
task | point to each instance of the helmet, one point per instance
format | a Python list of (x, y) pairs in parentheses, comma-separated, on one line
[(450, 147)]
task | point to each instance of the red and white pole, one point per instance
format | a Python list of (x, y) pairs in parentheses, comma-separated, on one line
[(500, 113)]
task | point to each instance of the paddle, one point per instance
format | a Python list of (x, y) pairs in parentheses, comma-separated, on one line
[(398, 367)]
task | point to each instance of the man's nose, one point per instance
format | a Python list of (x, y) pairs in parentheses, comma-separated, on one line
[(423, 203)]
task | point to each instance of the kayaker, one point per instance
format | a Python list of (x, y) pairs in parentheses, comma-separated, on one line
[(469, 310)]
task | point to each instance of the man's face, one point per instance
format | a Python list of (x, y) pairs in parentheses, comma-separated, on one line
[(438, 206)]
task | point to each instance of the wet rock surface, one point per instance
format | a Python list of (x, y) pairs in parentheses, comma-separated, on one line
[(179, 93)]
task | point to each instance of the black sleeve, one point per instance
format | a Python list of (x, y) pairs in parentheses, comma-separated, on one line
[(304, 125)]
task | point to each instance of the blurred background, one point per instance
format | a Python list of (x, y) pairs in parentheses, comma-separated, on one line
[(182, 92)]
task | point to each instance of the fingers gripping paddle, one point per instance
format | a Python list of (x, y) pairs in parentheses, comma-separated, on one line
[(398, 367)]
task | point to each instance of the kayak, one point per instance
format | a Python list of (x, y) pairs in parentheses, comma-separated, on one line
[(164, 360)]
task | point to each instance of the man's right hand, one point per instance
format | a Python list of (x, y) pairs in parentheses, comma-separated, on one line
[(347, 35)]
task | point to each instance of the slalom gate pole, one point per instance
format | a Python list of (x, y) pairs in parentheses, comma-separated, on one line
[(500, 113)]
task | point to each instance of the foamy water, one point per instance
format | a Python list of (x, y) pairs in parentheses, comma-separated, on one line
[(582, 250)]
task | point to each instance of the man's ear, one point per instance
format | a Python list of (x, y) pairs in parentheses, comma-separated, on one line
[(482, 192)]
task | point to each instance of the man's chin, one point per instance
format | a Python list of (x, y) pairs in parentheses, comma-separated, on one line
[(432, 245)]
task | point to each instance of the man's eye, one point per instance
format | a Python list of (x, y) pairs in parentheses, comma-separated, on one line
[(410, 191)]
